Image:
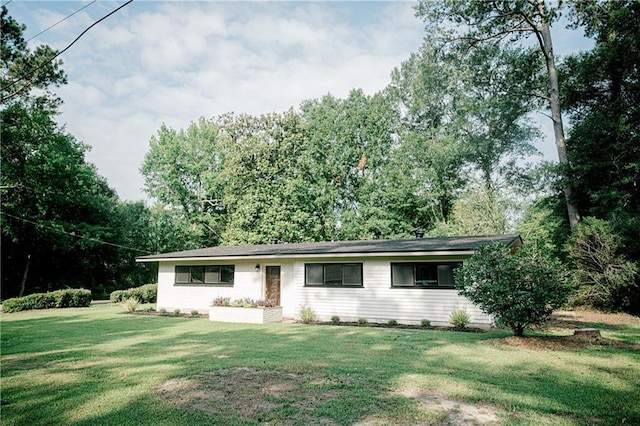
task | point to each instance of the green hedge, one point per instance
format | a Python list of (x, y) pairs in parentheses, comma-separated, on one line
[(69, 298), (147, 293)]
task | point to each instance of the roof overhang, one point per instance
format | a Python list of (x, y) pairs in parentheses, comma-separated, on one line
[(407, 248), (459, 253)]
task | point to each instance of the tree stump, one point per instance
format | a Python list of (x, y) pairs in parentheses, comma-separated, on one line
[(587, 333)]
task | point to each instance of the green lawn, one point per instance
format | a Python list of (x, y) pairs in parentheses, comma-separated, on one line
[(90, 366)]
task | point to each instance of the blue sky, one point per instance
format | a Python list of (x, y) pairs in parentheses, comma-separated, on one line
[(172, 62)]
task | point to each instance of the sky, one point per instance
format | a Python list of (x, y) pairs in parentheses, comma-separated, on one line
[(154, 63)]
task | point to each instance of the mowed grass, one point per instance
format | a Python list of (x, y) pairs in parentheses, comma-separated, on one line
[(90, 366)]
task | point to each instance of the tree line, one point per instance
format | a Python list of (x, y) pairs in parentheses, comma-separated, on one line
[(446, 147)]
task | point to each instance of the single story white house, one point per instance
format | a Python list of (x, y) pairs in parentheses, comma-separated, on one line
[(406, 280)]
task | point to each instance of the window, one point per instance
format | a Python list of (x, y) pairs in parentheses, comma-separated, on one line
[(423, 275), (333, 274), (205, 275)]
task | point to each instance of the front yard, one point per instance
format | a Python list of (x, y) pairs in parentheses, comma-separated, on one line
[(87, 366)]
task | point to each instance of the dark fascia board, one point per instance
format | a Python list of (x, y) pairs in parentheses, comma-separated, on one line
[(411, 246)]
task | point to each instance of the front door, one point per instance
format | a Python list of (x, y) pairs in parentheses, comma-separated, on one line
[(273, 284)]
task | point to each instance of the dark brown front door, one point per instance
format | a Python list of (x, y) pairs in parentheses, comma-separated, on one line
[(273, 284)]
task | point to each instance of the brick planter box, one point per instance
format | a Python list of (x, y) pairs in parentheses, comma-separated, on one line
[(245, 315)]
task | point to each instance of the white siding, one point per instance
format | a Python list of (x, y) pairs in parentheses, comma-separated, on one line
[(377, 301), (247, 283)]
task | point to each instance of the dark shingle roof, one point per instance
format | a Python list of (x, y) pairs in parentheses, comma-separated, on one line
[(341, 248)]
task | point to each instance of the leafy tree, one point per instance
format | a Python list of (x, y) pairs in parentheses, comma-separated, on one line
[(429, 156), (477, 211), (26, 75), (544, 227), (470, 24), (519, 289), (56, 208), (268, 183), (350, 141), (459, 119), (602, 275), (61, 224), (182, 172), (493, 120), (602, 93)]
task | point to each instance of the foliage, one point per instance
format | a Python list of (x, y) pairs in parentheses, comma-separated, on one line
[(61, 223), (459, 318), (477, 25), (69, 298), (176, 312), (425, 323), (194, 312), (182, 172), (362, 321), (267, 187), (335, 319), (307, 315), (478, 210), (602, 92), (602, 275), (131, 304), (520, 290), (245, 302), (147, 293), (392, 322), (26, 75), (544, 227), (221, 301)]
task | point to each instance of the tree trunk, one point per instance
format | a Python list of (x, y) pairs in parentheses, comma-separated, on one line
[(23, 283), (556, 117)]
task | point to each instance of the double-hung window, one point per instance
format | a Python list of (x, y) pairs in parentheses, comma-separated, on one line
[(423, 275), (205, 275), (333, 274)]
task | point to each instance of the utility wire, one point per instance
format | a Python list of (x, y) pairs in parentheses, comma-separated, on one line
[(73, 234), (29, 75), (7, 3), (62, 20)]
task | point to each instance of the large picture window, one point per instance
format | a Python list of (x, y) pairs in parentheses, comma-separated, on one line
[(333, 274), (423, 275), (205, 275)]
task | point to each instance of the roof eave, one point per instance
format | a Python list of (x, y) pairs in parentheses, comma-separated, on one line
[(310, 256)]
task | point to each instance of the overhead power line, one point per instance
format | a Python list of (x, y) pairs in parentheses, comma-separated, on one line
[(62, 20), (43, 63), (73, 234)]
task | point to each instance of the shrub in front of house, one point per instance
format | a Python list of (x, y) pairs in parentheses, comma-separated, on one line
[(459, 318), (519, 289), (335, 319), (68, 298), (131, 304), (307, 315), (147, 293)]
